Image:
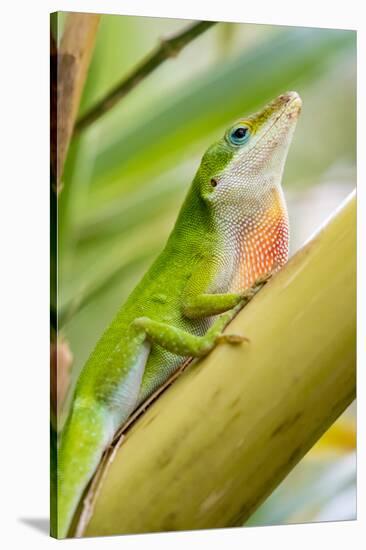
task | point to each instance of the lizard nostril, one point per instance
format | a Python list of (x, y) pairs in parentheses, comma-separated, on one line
[(285, 98)]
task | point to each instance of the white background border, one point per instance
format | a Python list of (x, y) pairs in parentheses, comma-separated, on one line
[(24, 229)]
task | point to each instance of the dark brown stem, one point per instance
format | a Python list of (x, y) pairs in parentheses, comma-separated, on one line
[(168, 48)]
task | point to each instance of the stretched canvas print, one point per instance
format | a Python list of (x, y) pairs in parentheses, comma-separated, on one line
[(203, 275)]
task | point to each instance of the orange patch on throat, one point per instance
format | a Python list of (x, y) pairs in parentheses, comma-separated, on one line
[(264, 247)]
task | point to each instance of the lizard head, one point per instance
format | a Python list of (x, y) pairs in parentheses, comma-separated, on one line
[(248, 161), (240, 181)]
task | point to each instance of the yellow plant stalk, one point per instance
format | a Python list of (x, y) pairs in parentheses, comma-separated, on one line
[(226, 433)]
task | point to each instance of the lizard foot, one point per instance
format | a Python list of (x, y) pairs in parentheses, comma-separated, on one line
[(263, 279), (231, 339), (250, 292)]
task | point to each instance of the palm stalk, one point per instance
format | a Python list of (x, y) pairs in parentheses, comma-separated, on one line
[(226, 433)]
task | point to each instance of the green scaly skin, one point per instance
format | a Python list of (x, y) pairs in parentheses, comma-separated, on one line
[(232, 229)]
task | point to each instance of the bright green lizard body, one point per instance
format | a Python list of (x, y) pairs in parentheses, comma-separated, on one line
[(231, 230)]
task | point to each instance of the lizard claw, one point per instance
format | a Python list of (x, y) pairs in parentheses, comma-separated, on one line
[(231, 339), (250, 292), (263, 278)]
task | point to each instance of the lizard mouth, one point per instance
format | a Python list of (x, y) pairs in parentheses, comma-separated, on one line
[(293, 104)]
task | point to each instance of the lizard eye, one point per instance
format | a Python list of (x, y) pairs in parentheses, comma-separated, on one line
[(238, 135)]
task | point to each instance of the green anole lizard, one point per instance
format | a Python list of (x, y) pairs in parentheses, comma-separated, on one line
[(231, 230)]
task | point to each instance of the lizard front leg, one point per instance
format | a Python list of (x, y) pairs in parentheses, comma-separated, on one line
[(204, 305), (183, 343)]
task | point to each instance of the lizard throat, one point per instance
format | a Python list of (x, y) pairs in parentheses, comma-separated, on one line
[(263, 249), (260, 243)]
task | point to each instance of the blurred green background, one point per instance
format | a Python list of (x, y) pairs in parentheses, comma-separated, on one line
[(126, 175)]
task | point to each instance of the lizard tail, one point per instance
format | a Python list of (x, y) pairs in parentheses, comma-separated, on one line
[(86, 435)]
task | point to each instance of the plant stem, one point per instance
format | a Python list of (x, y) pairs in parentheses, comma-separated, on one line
[(168, 48), (228, 431), (69, 69)]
